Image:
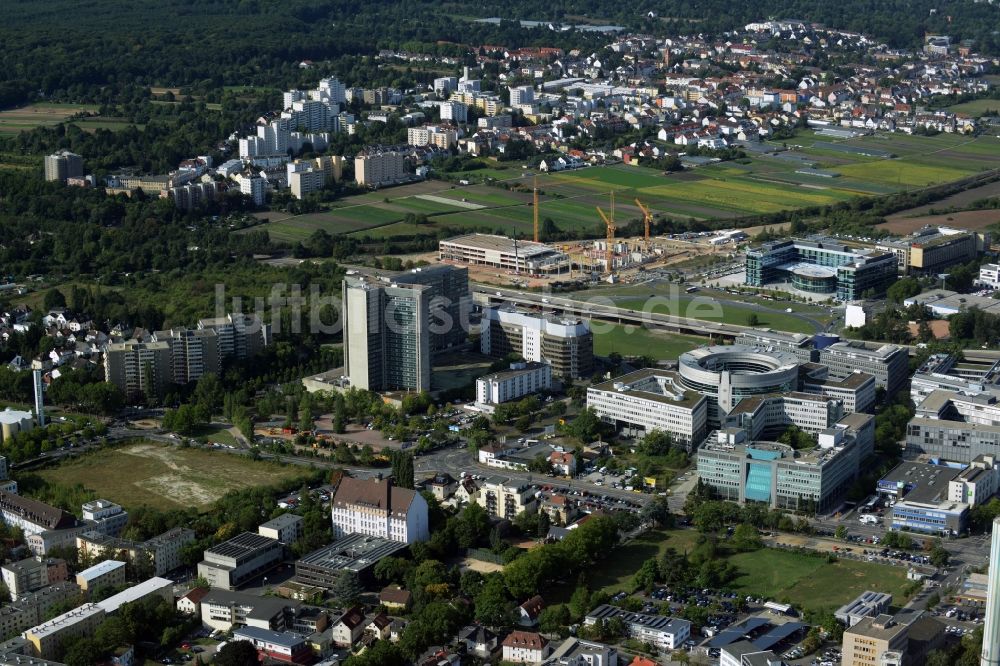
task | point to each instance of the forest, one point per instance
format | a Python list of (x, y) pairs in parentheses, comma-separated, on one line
[(61, 50)]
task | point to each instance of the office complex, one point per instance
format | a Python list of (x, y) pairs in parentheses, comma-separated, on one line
[(564, 343), (651, 399), (450, 301), (63, 165), (991, 624), (923, 495), (767, 340), (728, 374), (386, 334), (376, 507), (772, 414), (816, 481), (867, 604), (377, 168), (505, 254), (872, 640), (355, 553), (666, 633), (958, 427), (888, 364), (820, 266), (232, 563), (520, 380), (139, 369), (931, 250)]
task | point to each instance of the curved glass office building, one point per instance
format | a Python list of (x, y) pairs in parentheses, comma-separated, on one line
[(726, 374)]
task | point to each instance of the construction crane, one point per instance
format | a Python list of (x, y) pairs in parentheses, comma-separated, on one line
[(535, 205), (647, 217), (609, 250)]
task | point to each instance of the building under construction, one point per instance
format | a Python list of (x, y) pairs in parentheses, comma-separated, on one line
[(506, 254)]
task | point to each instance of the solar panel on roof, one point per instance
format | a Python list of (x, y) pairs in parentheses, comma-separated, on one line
[(737, 632), (777, 634)]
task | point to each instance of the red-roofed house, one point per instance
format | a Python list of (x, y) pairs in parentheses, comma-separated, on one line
[(530, 610), (525, 647), (563, 463)]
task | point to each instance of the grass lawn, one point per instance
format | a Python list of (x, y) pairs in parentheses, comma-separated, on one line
[(707, 310), (164, 477), (637, 341), (810, 582), (218, 434)]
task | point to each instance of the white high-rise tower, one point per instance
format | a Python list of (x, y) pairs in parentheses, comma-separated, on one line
[(39, 398), (991, 626)]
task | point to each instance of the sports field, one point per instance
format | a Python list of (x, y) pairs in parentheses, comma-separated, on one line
[(13, 121), (815, 171), (164, 477)]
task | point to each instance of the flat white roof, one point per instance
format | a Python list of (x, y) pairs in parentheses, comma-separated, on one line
[(134, 593), (67, 619), (100, 569)]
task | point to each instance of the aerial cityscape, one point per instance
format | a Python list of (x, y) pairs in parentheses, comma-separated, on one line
[(578, 334)]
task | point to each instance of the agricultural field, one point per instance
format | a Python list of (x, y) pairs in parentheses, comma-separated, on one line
[(974, 220), (817, 171), (94, 123), (164, 477), (977, 107), (14, 121)]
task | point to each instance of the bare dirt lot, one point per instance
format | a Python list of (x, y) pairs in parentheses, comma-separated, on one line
[(974, 220)]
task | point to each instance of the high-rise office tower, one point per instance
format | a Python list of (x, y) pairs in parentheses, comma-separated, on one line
[(386, 334), (991, 626)]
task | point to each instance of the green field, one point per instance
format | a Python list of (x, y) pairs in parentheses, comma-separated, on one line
[(758, 184), (637, 341), (807, 581), (810, 582), (13, 121), (164, 477), (976, 107), (706, 310)]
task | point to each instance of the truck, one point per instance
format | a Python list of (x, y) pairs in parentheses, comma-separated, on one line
[(868, 519)]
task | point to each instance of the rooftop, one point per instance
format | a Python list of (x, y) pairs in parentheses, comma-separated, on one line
[(641, 378), (378, 494), (241, 545), (920, 482), (492, 243), (67, 619), (354, 552), (100, 569), (285, 639), (136, 592)]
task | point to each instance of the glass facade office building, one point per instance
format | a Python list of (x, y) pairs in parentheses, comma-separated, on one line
[(821, 266)]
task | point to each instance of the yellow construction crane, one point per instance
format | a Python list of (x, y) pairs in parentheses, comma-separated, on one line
[(535, 206), (647, 217), (609, 250)]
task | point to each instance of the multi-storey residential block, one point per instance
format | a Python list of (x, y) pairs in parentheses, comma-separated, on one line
[(31, 608), (504, 498), (109, 573), (565, 344), (386, 334), (193, 353), (376, 507), (240, 335), (25, 575), (48, 639), (32, 516), (989, 276), (520, 380), (139, 369), (63, 165), (374, 169), (105, 517), (304, 181), (521, 95), (163, 552), (456, 112)]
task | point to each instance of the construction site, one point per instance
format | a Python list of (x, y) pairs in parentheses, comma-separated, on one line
[(506, 261)]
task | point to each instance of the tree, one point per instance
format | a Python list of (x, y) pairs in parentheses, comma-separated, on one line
[(841, 532), (347, 589), (54, 299), (585, 427), (647, 575), (753, 320), (746, 538), (83, 652), (657, 511), (402, 469), (494, 606), (903, 289), (939, 556), (237, 653)]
